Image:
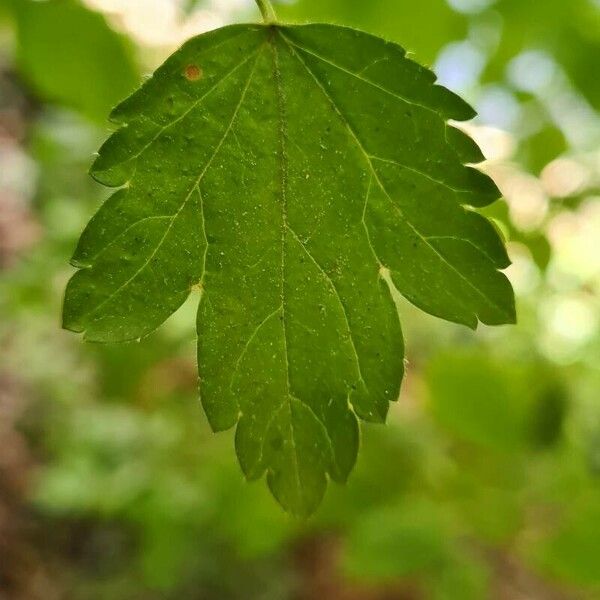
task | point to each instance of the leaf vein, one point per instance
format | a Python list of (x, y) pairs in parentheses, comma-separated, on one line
[(358, 75), (184, 114), (183, 205), (442, 258), (284, 227), (238, 362), (419, 172), (339, 299)]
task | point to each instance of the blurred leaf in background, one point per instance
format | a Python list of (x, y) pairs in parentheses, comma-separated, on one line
[(421, 27), (493, 403), (71, 56)]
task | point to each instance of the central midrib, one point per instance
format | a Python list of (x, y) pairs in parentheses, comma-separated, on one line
[(284, 230)]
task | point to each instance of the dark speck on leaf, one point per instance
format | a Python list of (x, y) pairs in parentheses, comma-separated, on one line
[(193, 73)]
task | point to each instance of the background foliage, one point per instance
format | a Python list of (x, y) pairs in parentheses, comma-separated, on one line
[(485, 482)]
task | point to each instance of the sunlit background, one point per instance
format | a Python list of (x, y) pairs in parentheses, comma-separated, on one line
[(486, 482)]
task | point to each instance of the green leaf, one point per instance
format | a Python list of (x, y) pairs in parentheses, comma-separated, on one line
[(295, 175)]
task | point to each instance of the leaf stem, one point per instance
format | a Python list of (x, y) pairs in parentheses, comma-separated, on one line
[(267, 11)]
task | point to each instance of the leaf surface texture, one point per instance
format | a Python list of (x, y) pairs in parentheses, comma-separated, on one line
[(297, 175)]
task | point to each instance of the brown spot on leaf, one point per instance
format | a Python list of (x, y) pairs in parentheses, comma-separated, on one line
[(193, 73)]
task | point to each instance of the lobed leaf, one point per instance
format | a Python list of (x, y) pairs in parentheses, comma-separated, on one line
[(296, 175)]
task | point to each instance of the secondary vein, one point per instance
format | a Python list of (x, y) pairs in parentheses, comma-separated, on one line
[(188, 196), (359, 144)]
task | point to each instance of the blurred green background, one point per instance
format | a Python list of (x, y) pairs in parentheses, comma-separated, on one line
[(486, 481)]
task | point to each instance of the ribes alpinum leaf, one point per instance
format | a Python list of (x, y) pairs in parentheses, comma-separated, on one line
[(294, 174)]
